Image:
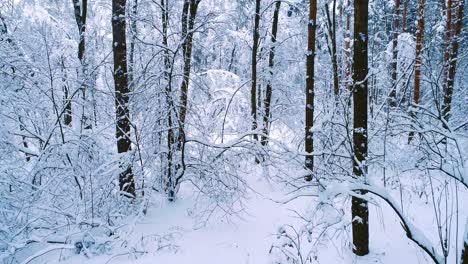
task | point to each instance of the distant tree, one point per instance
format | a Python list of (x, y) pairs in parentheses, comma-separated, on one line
[(360, 211), (122, 134)]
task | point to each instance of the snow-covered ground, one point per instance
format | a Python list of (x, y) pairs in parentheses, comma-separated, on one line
[(171, 233)]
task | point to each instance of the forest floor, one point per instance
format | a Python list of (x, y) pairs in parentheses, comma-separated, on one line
[(172, 234)]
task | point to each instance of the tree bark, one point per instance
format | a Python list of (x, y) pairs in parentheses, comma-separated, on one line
[(360, 212), (253, 90), (418, 62), (122, 134), (310, 93), (394, 64), (271, 64)]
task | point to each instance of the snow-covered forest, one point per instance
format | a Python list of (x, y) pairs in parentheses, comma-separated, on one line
[(233, 131)]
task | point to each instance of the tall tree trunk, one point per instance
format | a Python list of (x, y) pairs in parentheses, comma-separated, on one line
[(447, 41), (271, 64), (456, 28), (168, 92), (348, 46), (333, 53), (81, 10), (360, 211), (310, 93), (394, 64), (134, 33), (187, 49), (189, 14), (253, 90), (122, 134), (417, 65), (404, 22)]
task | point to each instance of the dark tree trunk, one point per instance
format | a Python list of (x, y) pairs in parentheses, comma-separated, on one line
[(189, 14), (81, 10), (418, 61), (271, 64), (348, 46), (404, 22), (360, 212), (333, 53), (456, 28), (464, 253), (394, 64), (310, 79), (25, 143), (122, 134), (67, 116), (168, 92), (134, 33), (231, 61), (447, 41), (253, 90)]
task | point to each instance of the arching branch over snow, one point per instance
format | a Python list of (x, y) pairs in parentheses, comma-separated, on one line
[(412, 232)]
